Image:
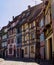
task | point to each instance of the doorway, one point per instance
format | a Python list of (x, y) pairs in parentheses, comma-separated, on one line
[(14, 53), (22, 54), (3, 54), (50, 48)]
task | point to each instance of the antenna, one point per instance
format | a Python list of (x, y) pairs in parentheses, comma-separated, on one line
[(35, 1)]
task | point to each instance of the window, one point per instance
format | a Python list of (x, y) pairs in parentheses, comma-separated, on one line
[(23, 27), (4, 36), (0, 38), (8, 41), (42, 37), (30, 25), (25, 50), (28, 14), (13, 24), (22, 38), (19, 29), (26, 26), (5, 30), (19, 40), (52, 9), (3, 45), (30, 36), (26, 37), (33, 34), (10, 32), (23, 19), (23, 15), (41, 23), (32, 49), (18, 52), (34, 23), (14, 30), (12, 40)]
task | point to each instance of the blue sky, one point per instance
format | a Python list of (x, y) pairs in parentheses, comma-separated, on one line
[(9, 8)]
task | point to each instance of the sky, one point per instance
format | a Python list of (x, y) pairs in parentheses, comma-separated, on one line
[(9, 8)]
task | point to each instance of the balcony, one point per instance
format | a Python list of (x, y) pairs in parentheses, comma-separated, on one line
[(48, 26), (48, 32), (44, 29)]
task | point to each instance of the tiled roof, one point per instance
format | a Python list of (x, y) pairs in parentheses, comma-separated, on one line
[(27, 15), (34, 11)]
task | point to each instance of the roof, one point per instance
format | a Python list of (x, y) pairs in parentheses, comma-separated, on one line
[(33, 13), (3, 28), (27, 15)]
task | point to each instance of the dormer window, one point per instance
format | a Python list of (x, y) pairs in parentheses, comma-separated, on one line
[(23, 15), (13, 24), (42, 22), (17, 21), (23, 19), (5, 30), (28, 14), (14, 30)]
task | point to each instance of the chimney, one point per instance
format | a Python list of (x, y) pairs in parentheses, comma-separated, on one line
[(9, 21), (29, 7), (13, 17), (44, 0)]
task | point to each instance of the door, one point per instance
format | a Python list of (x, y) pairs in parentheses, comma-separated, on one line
[(3, 53), (50, 48), (22, 54), (14, 53)]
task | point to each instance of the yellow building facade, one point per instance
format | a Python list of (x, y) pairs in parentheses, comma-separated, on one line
[(29, 39), (49, 40)]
